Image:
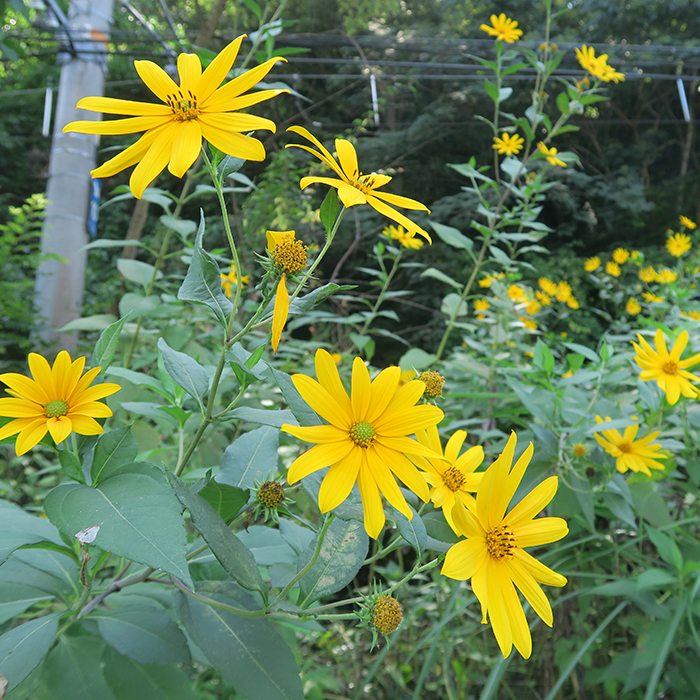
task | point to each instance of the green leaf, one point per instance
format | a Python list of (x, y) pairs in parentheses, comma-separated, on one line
[(303, 304), (230, 552), (19, 528), (620, 509), (301, 410), (263, 416), (416, 358), (202, 284), (71, 465), (343, 552), (48, 571), (248, 652), (130, 680), (106, 345), (491, 90), (229, 165), (16, 598), (267, 545), (543, 357), (504, 93), (186, 371), (22, 648), (112, 243), (438, 275), (139, 379), (666, 547), (137, 306), (184, 227), (239, 356), (452, 236), (113, 450), (563, 102), (329, 210), (452, 305), (138, 514), (144, 633), (226, 500), (138, 272), (413, 531), (350, 509), (252, 457), (440, 535), (98, 322)]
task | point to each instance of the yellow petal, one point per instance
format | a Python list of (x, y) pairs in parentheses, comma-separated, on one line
[(538, 571), (20, 408), (156, 79), (333, 182), (481, 590), (233, 144), (320, 434), (60, 428), (115, 126), (317, 458), (407, 446), (383, 388), (110, 105), (323, 155), (84, 425), (72, 377), (26, 387), (498, 613), (507, 490), (454, 444), (540, 531), (347, 156), (14, 427), (387, 483), (279, 316), (488, 507), (239, 85), (217, 70), (322, 401), (237, 122), (61, 366), (328, 377), (189, 68), (464, 559), (338, 483), (154, 161), (360, 394), (514, 610), (466, 521), (129, 156), (404, 470), (253, 98), (531, 590), (392, 214), (92, 408), (31, 435), (186, 147), (41, 371), (415, 418), (371, 501), (93, 393), (350, 196), (532, 504), (86, 380), (398, 201)]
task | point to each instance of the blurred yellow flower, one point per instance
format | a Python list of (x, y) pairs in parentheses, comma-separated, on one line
[(592, 264), (507, 144), (678, 244), (533, 307), (400, 234), (543, 298), (612, 268), (481, 304), (621, 256), (229, 280), (652, 298), (517, 294), (337, 358), (572, 302), (563, 292), (551, 155), (597, 66), (666, 276), (647, 274), (635, 255), (688, 223), (633, 307), (547, 286), (503, 28), (637, 455), (528, 323), (695, 315), (194, 110), (493, 554)]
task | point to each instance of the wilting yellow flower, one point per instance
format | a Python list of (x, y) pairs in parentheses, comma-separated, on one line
[(355, 188), (280, 312), (637, 455), (547, 286), (688, 223), (583, 83), (194, 110), (517, 294), (633, 307), (57, 400), (493, 554), (551, 155), (678, 244), (647, 274), (481, 304), (507, 144), (652, 298), (612, 268), (666, 276), (400, 234), (563, 292), (621, 256), (666, 368), (452, 475), (592, 264), (365, 440), (230, 279), (503, 28), (543, 298)]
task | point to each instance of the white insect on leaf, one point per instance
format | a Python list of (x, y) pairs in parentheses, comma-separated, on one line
[(87, 535)]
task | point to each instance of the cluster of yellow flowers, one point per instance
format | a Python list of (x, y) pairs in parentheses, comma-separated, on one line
[(597, 66)]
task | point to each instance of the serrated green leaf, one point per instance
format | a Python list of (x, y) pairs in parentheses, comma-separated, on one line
[(252, 457), (113, 450), (301, 410)]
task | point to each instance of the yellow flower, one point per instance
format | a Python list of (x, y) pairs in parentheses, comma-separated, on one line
[(485, 282), (547, 286), (550, 154), (608, 73), (507, 144), (592, 264), (543, 298), (621, 256), (685, 221), (635, 255), (503, 28), (695, 315), (337, 358), (666, 368), (572, 302), (400, 234), (452, 475), (612, 268), (678, 244), (652, 298), (517, 294), (648, 274), (57, 400), (288, 254), (633, 307), (528, 323), (481, 304), (230, 279), (365, 440), (493, 554), (280, 312), (355, 188), (533, 307), (597, 66), (637, 455), (563, 292), (666, 276), (194, 110)]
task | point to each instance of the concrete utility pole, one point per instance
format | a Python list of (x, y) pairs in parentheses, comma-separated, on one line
[(59, 285)]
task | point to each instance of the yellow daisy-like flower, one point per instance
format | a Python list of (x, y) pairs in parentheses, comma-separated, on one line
[(528, 323), (666, 367), (597, 66), (551, 155), (621, 256), (57, 400), (695, 315), (481, 304), (612, 268), (608, 73), (543, 298), (633, 307), (517, 294), (572, 302), (452, 475), (533, 307), (355, 188), (507, 144), (651, 298), (503, 28), (648, 274), (400, 234), (230, 279), (485, 282), (637, 455), (366, 440), (563, 292), (666, 276), (635, 256), (592, 264), (547, 286), (194, 110), (493, 556), (678, 244), (688, 223)]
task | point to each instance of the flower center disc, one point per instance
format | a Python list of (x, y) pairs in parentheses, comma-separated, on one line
[(500, 542), (453, 478), (362, 434), (290, 256), (364, 183), (56, 408), (625, 447), (670, 367), (184, 107)]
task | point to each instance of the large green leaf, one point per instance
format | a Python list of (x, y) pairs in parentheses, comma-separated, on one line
[(342, 554), (114, 449), (263, 416), (131, 680), (231, 553), (301, 410), (15, 598), (226, 500), (267, 545), (49, 571), (202, 284), (248, 653), (252, 457), (413, 531), (19, 528), (185, 370), (144, 633), (106, 345), (23, 647), (138, 515), (350, 509)]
